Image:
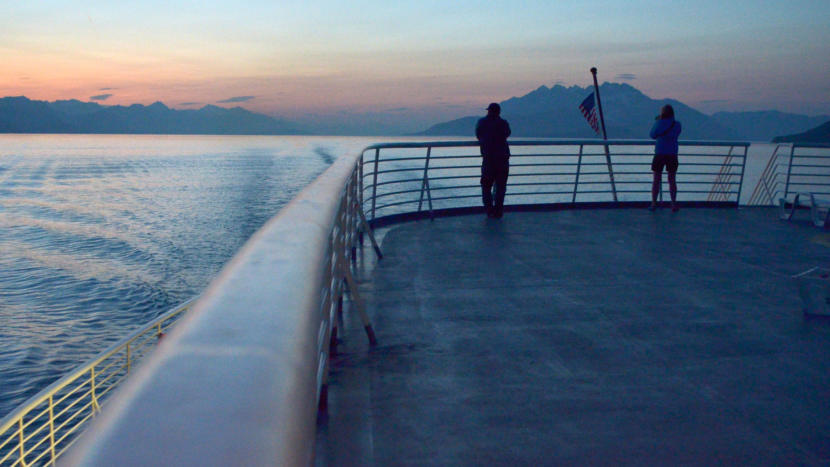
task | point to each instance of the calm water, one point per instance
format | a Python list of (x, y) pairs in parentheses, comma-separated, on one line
[(100, 234)]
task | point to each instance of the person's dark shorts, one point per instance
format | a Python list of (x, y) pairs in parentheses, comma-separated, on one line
[(669, 161)]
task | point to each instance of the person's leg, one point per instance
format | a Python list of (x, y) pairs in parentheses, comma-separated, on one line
[(671, 168), (657, 169), (655, 187), (673, 189), (501, 189), (487, 180)]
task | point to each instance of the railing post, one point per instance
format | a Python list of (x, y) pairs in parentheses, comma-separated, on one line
[(52, 429), (335, 284), (351, 202), (327, 303), (789, 171), (360, 177), (375, 181), (724, 184), (22, 441), (129, 356), (425, 185), (343, 272), (95, 407), (743, 169), (578, 171), (610, 171), (360, 188)]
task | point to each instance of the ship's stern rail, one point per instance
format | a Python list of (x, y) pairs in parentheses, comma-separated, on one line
[(429, 177)]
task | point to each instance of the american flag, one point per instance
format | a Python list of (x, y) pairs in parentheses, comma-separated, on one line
[(590, 112)]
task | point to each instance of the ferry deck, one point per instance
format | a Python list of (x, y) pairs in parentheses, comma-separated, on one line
[(579, 329), (594, 336)]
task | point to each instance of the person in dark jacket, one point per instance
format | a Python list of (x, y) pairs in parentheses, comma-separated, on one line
[(492, 132), (666, 131)]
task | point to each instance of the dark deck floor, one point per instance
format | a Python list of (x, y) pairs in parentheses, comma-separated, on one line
[(586, 337)]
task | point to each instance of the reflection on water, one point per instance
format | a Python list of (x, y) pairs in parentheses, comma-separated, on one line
[(100, 234)]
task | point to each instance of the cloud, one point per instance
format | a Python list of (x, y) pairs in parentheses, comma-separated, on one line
[(107, 89), (236, 99), (715, 101), (189, 103), (398, 109), (100, 97), (626, 77)]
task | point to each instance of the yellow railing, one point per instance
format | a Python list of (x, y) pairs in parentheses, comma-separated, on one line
[(42, 428)]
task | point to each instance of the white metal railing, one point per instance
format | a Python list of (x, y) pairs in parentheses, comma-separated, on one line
[(43, 427), (793, 169), (407, 178), (808, 170), (240, 378)]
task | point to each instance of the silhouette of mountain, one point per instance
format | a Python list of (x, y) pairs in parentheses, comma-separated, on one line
[(554, 112), (766, 125), (22, 115), (819, 134), (544, 112)]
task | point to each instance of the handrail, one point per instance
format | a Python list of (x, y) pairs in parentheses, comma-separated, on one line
[(240, 378), (550, 142), (242, 375), (44, 426), (806, 170), (578, 174)]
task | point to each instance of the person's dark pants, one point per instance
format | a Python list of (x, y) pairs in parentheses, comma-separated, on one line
[(494, 172)]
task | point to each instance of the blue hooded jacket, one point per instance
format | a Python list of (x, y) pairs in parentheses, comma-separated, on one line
[(665, 131)]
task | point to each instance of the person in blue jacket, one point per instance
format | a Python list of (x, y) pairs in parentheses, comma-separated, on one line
[(665, 130), (492, 132)]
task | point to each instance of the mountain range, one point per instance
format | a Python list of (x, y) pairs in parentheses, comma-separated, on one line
[(554, 112), (765, 126), (819, 134), (22, 115), (550, 112)]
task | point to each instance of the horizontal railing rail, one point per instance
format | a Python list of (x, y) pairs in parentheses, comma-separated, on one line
[(427, 177), (45, 426), (808, 170)]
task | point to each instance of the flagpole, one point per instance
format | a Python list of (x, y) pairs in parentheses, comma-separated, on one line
[(604, 136)]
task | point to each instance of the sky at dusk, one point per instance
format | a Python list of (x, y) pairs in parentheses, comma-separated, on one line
[(422, 60)]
